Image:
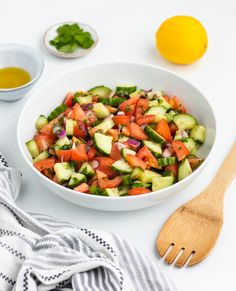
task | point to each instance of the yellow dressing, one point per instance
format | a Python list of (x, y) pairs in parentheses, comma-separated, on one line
[(13, 77)]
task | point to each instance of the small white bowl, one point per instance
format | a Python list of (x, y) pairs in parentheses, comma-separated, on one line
[(27, 58), (112, 74), (51, 33)]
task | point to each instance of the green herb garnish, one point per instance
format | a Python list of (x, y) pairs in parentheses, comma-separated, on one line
[(70, 37)]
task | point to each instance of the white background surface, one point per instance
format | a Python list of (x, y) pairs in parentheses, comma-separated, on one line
[(126, 30)]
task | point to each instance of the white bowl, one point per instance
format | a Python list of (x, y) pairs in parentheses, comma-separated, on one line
[(18, 55), (112, 74)]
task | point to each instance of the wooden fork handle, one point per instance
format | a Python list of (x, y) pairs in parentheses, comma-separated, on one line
[(225, 174)]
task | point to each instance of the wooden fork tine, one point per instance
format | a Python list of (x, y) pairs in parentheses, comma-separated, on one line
[(163, 247), (183, 258), (171, 256)]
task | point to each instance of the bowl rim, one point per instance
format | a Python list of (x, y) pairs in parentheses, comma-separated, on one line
[(126, 198), (71, 55), (36, 54)]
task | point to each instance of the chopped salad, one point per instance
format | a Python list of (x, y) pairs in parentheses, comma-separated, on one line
[(117, 143)]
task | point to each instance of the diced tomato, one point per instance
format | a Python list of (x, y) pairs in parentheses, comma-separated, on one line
[(121, 120), (194, 162), (166, 97), (179, 105), (180, 149), (105, 165), (164, 130), (78, 113), (145, 153), (134, 161), (173, 128), (141, 106), (64, 155), (68, 112), (95, 98), (91, 116), (172, 168), (125, 131), (45, 164), (79, 154), (171, 101), (69, 99), (138, 191), (48, 128), (114, 133), (115, 152), (126, 105), (111, 109), (104, 182), (145, 119), (91, 153), (84, 188), (136, 131), (80, 130), (44, 141)]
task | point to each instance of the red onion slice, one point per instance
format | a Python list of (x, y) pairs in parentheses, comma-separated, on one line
[(166, 153), (134, 143), (62, 133), (183, 133), (120, 113), (120, 145), (94, 164)]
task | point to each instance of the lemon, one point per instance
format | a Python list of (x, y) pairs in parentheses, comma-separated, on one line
[(181, 39)]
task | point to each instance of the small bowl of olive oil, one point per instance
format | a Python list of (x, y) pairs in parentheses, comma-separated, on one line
[(20, 68)]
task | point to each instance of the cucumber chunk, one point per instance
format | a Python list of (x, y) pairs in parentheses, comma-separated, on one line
[(103, 143), (63, 171), (190, 145), (164, 103), (57, 111), (122, 167), (63, 143), (137, 184), (115, 102), (95, 190), (179, 134), (184, 169), (84, 99), (126, 151), (125, 90), (198, 133), (122, 138), (87, 170), (153, 135), (70, 127), (100, 110), (170, 115), (184, 121), (148, 175), (76, 179), (153, 103), (162, 182), (32, 148), (112, 192), (136, 173), (159, 111), (41, 122), (44, 155), (101, 91), (123, 190), (126, 180), (155, 148), (105, 125), (166, 161)]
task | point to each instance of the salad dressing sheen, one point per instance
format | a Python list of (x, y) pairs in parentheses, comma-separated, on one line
[(13, 77)]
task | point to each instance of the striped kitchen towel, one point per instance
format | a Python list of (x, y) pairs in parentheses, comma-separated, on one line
[(38, 252)]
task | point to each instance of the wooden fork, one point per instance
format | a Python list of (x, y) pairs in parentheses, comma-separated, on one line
[(195, 226)]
